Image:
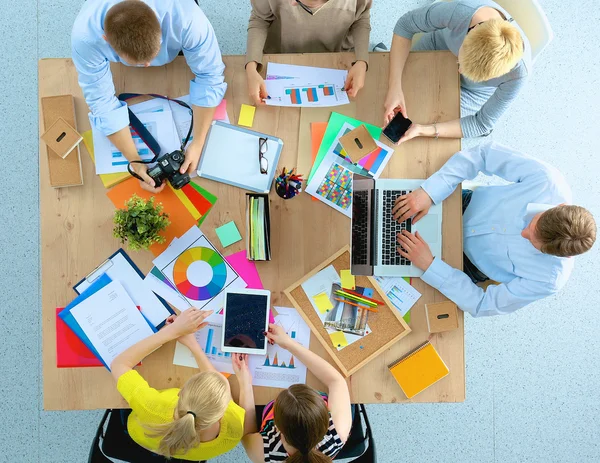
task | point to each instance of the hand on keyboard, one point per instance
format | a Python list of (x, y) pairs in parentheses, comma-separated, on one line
[(416, 203), (415, 249)]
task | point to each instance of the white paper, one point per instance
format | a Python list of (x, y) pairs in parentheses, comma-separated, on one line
[(401, 294), (200, 274), (270, 373), (321, 283), (111, 321), (119, 269), (159, 123), (305, 86), (166, 292), (209, 339)]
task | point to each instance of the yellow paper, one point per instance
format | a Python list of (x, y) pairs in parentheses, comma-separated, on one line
[(108, 180), (187, 203), (348, 281), (338, 338), (247, 115), (323, 303)]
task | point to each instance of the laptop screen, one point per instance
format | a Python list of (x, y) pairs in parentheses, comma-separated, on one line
[(362, 223)]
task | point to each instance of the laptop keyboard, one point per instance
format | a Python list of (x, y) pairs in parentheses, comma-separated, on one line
[(360, 222), (391, 228)]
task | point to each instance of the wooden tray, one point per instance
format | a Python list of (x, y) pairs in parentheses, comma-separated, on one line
[(387, 325)]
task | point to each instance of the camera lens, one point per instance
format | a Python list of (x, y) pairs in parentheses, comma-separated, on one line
[(176, 157)]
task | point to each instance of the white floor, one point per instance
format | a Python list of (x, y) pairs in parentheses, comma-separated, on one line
[(532, 378)]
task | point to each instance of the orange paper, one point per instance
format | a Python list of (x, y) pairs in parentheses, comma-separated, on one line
[(181, 219), (317, 132)]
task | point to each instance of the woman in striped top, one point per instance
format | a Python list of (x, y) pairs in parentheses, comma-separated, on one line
[(302, 425)]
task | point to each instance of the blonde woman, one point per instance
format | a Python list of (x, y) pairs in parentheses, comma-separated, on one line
[(493, 56), (307, 26), (197, 422)]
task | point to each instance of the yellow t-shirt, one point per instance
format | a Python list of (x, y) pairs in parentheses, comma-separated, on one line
[(150, 406)]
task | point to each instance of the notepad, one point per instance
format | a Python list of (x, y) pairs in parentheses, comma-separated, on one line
[(418, 369), (246, 115)]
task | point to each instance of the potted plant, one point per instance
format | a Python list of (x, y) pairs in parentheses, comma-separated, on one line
[(140, 223)]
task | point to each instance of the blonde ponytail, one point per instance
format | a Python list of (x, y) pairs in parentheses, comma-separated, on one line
[(202, 402)]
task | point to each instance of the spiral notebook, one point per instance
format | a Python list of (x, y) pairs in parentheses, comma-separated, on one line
[(418, 369)]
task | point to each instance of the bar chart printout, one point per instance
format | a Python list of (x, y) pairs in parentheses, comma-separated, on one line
[(289, 85)]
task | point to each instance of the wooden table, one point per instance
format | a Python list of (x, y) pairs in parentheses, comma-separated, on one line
[(76, 222)]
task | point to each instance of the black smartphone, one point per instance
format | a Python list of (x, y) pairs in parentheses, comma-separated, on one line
[(397, 127)]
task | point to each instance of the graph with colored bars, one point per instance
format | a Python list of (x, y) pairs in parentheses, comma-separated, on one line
[(210, 349), (145, 153), (275, 362), (312, 94)]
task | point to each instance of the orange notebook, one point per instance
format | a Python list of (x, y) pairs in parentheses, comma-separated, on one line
[(418, 369)]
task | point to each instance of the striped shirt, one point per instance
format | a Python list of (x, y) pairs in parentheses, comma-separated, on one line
[(330, 445)]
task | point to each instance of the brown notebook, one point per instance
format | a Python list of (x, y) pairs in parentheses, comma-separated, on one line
[(67, 171)]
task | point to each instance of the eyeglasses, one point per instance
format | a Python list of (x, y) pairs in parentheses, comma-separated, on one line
[(263, 162), (304, 7)]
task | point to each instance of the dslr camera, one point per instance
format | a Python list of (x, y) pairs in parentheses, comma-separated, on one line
[(167, 168)]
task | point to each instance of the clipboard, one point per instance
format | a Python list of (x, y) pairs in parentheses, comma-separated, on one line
[(230, 155), (120, 267)]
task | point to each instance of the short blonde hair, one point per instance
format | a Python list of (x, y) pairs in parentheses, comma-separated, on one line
[(490, 50), (133, 30), (207, 396), (566, 231)]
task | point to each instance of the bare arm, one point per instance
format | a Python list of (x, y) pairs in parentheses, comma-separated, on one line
[(188, 322), (394, 100), (339, 395), (199, 355), (246, 397)]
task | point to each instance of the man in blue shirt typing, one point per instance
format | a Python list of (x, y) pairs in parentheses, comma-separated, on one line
[(521, 235), (146, 33)]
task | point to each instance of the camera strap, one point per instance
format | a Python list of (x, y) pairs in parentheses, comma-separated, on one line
[(145, 134)]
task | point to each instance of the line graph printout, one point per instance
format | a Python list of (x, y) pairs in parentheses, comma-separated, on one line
[(304, 86)]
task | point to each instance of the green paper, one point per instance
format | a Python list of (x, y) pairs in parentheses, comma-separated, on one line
[(336, 121), (407, 317), (228, 234)]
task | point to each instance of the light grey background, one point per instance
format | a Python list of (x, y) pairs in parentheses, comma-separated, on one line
[(532, 377)]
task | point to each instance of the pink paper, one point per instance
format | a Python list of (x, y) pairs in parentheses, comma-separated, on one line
[(221, 111), (247, 270)]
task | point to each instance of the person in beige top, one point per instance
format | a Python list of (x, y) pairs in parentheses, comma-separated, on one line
[(307, 26)]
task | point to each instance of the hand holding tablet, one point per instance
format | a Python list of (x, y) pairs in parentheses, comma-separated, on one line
[(245, 321)]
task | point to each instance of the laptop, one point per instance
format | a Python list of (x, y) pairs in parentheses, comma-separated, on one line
[(374, 229)]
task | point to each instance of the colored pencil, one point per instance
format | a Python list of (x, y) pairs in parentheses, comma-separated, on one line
[(356, 298), (363, 307), (363, 296)]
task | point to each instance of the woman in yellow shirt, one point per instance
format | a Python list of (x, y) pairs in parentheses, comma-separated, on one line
[(197, 422)]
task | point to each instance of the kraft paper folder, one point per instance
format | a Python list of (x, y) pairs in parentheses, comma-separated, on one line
[(418, 369), (230, 156)]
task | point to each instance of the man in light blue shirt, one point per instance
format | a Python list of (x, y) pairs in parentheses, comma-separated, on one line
[(145, 33), (521, 235)]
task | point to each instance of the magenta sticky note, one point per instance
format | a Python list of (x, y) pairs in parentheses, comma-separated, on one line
[(221, 111)]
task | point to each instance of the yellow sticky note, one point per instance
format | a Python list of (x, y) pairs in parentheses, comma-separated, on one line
[(323, 303), (246, 115), (348, 281), (338, 338)]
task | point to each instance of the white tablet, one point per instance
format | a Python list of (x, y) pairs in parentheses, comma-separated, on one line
[(245, 320)]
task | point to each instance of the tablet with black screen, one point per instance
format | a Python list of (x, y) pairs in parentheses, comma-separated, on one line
[(245, 320)]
